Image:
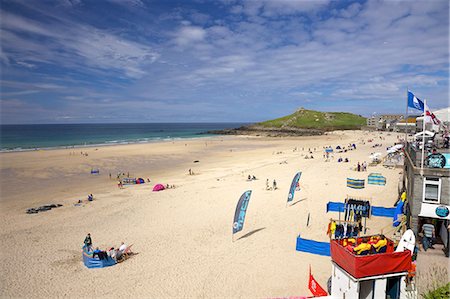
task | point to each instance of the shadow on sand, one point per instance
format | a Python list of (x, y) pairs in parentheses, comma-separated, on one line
[(301, 199), (251, 233)]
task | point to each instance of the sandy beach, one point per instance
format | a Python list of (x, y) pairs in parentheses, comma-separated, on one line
[(182, 236)]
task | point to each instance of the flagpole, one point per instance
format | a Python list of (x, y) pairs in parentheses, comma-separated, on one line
[(406, 119), (423, 135)]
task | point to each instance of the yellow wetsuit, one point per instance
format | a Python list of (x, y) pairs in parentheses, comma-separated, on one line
[(361, 247), (380, 244)]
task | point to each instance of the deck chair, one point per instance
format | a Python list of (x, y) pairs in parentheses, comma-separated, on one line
[(127, 252)]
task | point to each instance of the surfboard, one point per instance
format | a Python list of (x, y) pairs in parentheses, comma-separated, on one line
[(408, 241)]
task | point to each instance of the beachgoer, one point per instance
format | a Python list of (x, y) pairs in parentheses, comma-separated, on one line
[(88, 242), (112, 253), (447, 248), (363, 248), (274, 185), (382, 242), (358, 167), (148, 180), (428, 235), (110, 175), (96, 252), (190, 171), (122, 247), (267, 184), (253, 177), (249, 178), (119, 255)]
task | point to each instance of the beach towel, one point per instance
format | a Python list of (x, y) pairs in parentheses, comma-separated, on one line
[(376, 179), (355, 183)]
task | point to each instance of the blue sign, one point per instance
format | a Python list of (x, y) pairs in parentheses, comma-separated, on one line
[(442, 211), (241, 210), (435, 161)]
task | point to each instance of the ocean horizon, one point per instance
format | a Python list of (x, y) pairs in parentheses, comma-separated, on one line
[(27, 137)]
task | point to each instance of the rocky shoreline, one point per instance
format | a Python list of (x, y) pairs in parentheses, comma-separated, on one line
[(268, 132)]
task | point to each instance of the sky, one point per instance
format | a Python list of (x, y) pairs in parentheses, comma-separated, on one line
[(118, 61)]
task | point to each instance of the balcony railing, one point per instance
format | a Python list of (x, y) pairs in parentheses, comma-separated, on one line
[(414, 151)]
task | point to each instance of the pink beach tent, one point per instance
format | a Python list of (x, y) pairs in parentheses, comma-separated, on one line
[(158, 187)]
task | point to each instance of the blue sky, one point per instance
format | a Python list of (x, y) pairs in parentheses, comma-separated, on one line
[(79, 61)]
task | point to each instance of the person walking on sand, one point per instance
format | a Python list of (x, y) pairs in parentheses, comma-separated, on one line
[(88, 242), (267, 184), (358, 167), (274, 185)]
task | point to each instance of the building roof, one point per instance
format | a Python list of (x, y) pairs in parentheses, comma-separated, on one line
[(443, 114)]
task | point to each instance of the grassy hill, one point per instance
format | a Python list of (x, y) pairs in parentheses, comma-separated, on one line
[(310, 119)]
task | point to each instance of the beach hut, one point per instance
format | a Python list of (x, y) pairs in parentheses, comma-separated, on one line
[(159, 187)]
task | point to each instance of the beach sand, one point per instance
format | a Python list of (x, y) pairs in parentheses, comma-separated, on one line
[(182, 236)]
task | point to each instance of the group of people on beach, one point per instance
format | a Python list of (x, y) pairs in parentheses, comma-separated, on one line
[(274, 185), (116, 254), (372, 245), (361, 167), (90, 197), (251, 177)]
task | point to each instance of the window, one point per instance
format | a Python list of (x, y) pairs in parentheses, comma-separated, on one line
[(432, 190)]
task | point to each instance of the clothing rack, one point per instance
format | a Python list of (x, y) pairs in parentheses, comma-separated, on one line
[(346, 221), (354, 224)]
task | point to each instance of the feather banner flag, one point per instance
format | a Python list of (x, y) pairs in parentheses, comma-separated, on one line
[(293, 186), (315, 287), (241, 210)]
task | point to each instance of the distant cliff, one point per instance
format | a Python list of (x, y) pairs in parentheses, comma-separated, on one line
[(301, 123)]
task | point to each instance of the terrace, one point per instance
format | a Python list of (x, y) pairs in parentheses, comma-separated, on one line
[(433, 145)]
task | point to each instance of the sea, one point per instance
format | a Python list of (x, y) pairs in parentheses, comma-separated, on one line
[(49, 136)]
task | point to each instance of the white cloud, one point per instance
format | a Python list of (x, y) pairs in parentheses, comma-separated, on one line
[(71, 45), (189, 34)]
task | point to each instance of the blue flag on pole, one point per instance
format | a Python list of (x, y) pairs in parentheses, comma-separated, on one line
[(415, 103), (241, 209), (293, 186)]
